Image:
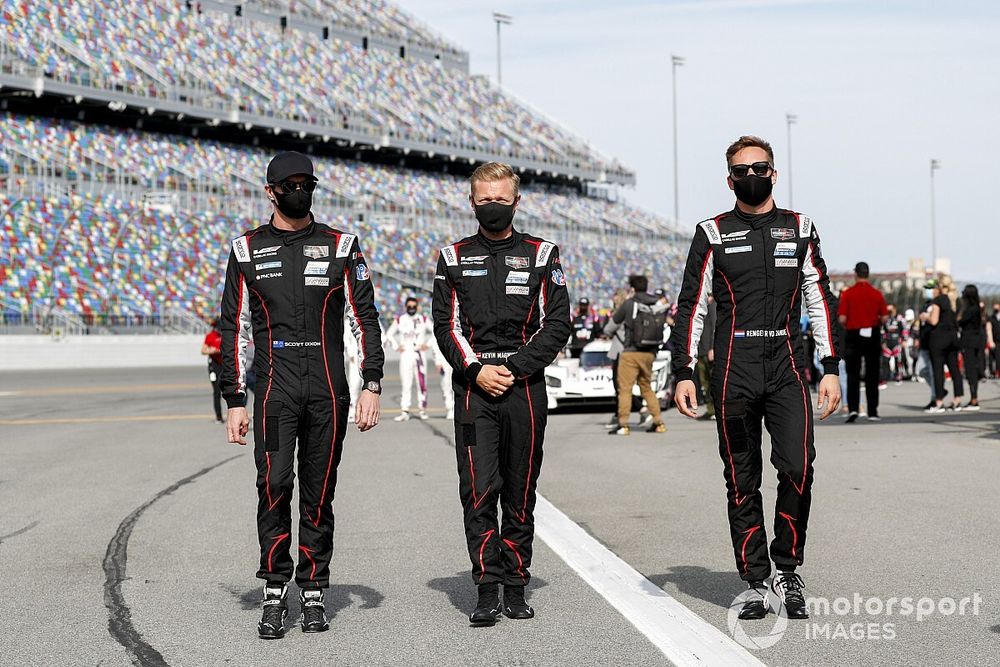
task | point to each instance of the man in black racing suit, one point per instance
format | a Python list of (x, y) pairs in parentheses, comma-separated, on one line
[(760, 263), (501, 315), (287, 285)]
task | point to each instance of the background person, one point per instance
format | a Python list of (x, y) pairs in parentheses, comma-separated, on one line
[(706, 359), (972, 337), (862, 312), (410, 334), (585, 327), (643, 316), (944, 344), (994, 329), (212, 348)]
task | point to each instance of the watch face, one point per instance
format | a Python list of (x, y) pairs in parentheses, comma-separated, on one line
[(374, 387)]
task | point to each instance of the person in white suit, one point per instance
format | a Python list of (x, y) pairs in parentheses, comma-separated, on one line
[(444, 370), (411, 334), (352, 361)]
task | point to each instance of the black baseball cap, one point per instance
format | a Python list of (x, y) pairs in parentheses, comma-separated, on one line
[(584, 301), (290, 163)]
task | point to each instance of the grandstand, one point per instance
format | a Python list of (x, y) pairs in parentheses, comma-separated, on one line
[(116, 213)]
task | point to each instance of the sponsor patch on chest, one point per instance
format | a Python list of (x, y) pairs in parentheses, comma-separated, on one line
[(316, 268), (474, 273), (316, 251), (517, 278), (268, 265), (517, 289), (782, 233), (317, 281), (786, 249), (474, 259), (265, 276), (732, 250), (516, 262), (269, 251), (786, 262), (735, 236)]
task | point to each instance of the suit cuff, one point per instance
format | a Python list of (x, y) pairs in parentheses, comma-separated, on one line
[(831, 367), (472, 372), (683, 374), (372, 375), (236, 401)]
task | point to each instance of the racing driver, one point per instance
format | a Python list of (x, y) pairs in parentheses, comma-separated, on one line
[(501, 315), (762, 264), (288, 284)]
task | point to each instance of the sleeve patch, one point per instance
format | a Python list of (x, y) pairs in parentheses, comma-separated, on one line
[(805, 227), (711, 231), (344, 245), (544, 250), (450, 256), (241, 249)]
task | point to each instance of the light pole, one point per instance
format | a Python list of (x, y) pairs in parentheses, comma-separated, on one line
[(501, 19), (675, 62), (935, 165), (790, 119)]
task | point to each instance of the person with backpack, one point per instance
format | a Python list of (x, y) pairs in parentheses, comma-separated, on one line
[(643, 317)]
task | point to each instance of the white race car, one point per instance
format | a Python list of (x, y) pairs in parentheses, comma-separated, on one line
[(588, 379)]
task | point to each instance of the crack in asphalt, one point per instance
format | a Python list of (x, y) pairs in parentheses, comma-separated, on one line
[(115, 560), (4, 538)]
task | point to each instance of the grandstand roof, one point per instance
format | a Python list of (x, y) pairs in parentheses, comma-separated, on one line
[(357, 74)]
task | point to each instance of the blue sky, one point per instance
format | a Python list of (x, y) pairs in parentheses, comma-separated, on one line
[(879, 88)]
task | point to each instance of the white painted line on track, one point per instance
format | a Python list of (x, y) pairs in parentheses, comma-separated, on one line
[(683, 636)]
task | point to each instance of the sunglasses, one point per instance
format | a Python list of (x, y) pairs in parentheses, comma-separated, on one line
[(759, 169), (287, 187)]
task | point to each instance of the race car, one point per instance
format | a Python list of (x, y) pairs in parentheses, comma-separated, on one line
[(588, 379)]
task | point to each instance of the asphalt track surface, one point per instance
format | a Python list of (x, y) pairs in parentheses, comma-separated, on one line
[(127, 536)]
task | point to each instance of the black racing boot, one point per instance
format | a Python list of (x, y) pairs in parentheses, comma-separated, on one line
[(514, 605), (755, 606), (788, 587), (487, 611), (275, 605), (313, 611)]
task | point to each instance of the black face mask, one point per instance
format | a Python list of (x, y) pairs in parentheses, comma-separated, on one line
[(495, 217), (295, 205), (411, 310), (753, 190)]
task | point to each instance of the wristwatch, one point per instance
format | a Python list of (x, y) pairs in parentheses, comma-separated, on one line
[(373, 386)]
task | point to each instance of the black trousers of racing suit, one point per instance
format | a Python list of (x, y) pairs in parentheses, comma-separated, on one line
[(868, 349), (314, 424), (498, 444), (785, 409)]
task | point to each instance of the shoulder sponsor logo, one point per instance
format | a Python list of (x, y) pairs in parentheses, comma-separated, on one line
[(782, 233), (786, 249), (265, 252), (558, 277), (735, 236), (516, 262), (732, 250), (241, 249), (786, 262), (362, 272), (267, 265), (440, 277), (517, 278), (474, 259), (517, 289), (544, 250), (711, 231), (317, 281), (316, 268), (344, 247), (474, 272), (805, 226), (316, 251), (450, 256), (265, 276)]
